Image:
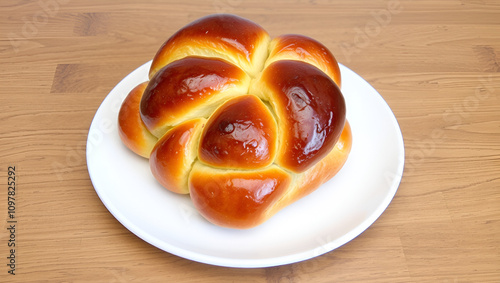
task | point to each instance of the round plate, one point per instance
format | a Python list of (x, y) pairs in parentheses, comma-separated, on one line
[(334, 214)]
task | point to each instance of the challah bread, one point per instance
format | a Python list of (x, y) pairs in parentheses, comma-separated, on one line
[(173, 155), (131, 128), (231, 38), (244, 124), (305, 49), (310, 110), (188, 88), (241, 134)]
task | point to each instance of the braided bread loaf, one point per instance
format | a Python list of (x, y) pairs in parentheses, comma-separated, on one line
[(244, 124)]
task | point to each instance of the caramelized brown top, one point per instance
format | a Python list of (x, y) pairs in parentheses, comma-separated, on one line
[(184, 85), (240, 134), (131, 129), (303, 48), (237, 199), (226, 36), (173, 154), (311, 109)]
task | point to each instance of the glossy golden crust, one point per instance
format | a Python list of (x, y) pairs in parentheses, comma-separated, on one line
[(305, 49), (310, 108), (173, 155), (240, 134), (308, 181), (237, 199), (245, 126), (131, 128), (229, 37), (189, 88)]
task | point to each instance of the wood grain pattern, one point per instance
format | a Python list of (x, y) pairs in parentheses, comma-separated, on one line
[(436, 63)]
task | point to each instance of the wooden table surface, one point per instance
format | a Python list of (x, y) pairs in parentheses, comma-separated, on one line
[(436, 63)]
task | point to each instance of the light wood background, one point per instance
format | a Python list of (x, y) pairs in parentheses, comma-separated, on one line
[(436, 63)]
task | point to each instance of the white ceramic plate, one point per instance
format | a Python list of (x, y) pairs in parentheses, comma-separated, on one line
[(331, 216)]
